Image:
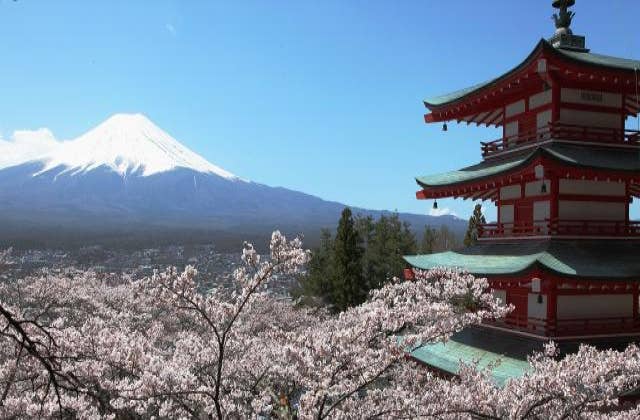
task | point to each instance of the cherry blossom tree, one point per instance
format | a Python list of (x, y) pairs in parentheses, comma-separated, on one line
[(91, 346), (586, 384)]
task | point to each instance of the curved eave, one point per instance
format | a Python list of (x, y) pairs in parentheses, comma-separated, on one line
[(496, 265), (598, 61), (620, 162), (523, 269), (483, 265), (453, 98), (460, 178), (567, 258)]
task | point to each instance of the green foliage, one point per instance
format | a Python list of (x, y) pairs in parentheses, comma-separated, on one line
[(347, 281), (476, 219), (391, 240), (429, 240), (316, 283), (365, 254), (438, 240)]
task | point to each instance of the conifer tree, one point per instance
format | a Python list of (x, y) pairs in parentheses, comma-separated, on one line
[(365, 255), (316, 283), (348, 286), (447, 239), (365, 225), (476, 219), (429, 240)]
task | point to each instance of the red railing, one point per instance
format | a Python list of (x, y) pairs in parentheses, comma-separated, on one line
[(555, 227), (503, 230), (560, 131), (593, 228), (594, 326), (568, 327)]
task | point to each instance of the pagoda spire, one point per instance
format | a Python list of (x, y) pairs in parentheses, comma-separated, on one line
[(564, 37), (564, 17)]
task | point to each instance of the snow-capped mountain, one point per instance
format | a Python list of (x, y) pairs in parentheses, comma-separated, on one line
[(126, 144), (127, 175)]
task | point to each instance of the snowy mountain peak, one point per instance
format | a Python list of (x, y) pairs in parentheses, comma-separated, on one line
[(128, 143)]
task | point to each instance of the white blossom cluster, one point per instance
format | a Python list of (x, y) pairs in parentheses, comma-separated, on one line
[(86, 347)]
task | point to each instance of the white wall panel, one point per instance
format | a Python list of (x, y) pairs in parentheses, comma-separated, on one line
[(543, 118), (532, 189), (587, 187), (500, 295), (535, 309), (591, 210), (511, 191), (511, 129), (541, 213), (591, 97), (590, 118), (595, 306), (514, 109), (506, 214), (540, 99)]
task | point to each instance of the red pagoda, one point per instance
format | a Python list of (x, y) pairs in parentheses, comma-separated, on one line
[(563, 250)]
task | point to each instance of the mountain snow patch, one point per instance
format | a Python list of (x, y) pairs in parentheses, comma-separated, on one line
[(125, 143)]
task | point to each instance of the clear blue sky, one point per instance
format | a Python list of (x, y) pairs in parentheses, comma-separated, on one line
[(318, 96)]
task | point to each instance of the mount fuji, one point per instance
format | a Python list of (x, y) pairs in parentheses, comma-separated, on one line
[(127, 178)]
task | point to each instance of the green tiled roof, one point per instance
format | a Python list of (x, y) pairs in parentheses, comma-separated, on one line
[(606, 260), (582, 57), (602, 60), (475, 264), (598, 158), (471, 173), (452, 96), (450, 355)]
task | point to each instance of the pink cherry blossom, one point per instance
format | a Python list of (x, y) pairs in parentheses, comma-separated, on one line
[(93, 346)]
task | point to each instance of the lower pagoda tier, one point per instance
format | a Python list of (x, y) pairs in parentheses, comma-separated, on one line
[(559, 288), (503, 354)]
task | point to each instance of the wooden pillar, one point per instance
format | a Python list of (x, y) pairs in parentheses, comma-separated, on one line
[(626, 204), (554, 196), (635, 302), (552, 306), (555, 102)]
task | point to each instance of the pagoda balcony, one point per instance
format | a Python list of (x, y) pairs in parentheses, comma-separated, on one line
[(569, 327), (560, 131), (556, 227)]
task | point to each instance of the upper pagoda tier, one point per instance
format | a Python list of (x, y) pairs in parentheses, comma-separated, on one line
[(545, 71), (565, 165), (563, 249)]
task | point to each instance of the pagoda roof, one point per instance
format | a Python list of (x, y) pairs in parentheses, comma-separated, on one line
[(502, 354), (600, 60), (610, 158), (580, 58), (451, 355), (597, 259)]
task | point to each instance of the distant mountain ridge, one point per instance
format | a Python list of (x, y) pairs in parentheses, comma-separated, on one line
[(127, 175)]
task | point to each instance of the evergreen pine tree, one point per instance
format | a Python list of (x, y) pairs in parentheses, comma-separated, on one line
[(429, 240), (316, 283), (366, 228), (447, 239), (390, 241), (476, 219), (364, 255), (347, 283)]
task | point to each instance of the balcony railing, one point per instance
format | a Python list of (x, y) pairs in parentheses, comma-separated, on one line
[(569, 327), (556, 227), (561, 132)]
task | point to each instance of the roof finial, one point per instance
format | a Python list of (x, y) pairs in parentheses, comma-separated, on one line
[(564, 37), (563, 19)]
